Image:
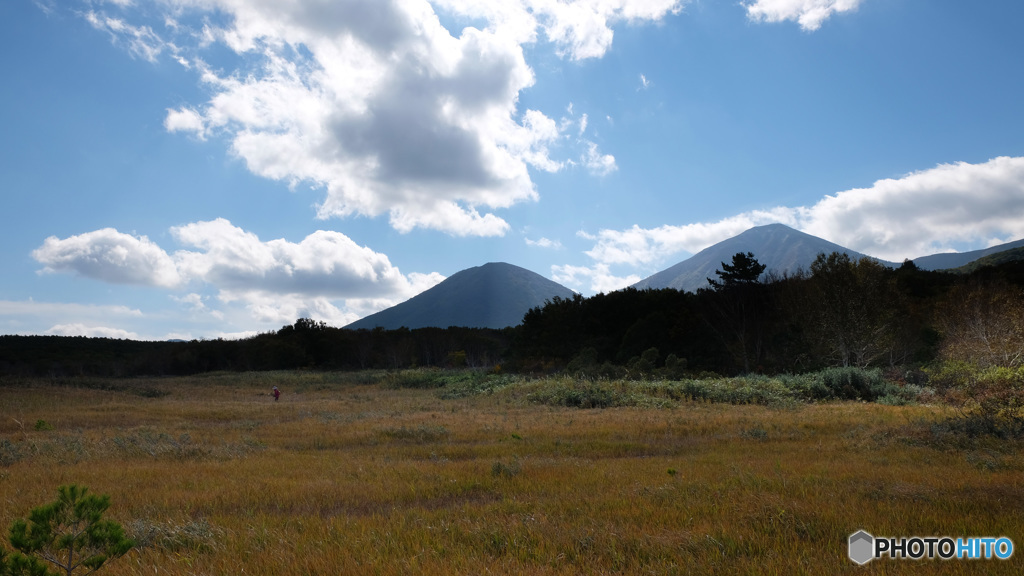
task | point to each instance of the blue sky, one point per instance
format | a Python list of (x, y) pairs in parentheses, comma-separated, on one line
[(218, 168)]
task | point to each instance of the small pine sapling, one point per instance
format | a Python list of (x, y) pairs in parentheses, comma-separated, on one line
[(67, 534)]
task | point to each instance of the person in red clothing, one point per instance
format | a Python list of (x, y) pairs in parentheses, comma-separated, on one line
[(277, 394)]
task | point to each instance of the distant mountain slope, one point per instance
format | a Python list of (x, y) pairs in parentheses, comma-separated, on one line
[(777, 246), (494, 295), (958, 259), (997, 259)]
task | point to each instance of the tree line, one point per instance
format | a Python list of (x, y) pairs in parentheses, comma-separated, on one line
[(840, 312), (307, 344)]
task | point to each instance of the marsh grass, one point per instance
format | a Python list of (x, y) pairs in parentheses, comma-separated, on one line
[(353, 474)]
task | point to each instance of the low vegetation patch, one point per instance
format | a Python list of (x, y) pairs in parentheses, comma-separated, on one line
[(777, 391), (190, 536), (989, 401), (418, 434)]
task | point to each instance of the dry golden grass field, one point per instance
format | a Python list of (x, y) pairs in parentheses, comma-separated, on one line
[(347, 474)]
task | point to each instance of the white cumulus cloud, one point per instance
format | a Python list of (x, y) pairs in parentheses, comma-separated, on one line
[(810, 14), (110, 256), (581, 29), (324, 264), (377, 103), (326, 275), (185, 120), (926, 211)]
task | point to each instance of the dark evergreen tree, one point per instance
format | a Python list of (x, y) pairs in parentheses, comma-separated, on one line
[(744, 270), (735, 309)]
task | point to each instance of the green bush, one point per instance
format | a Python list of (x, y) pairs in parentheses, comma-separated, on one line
[(851, 383), (951, 375), (745, 390), (474, 383), (994, 400), (675, 367), (644, 364), (577, 394)]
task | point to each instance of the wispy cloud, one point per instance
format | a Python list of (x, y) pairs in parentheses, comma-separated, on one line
[(34, 307), (597, 163), (91, 331), (141, 41), (597, 278), (88, 319), (544, 243), (46, 6)]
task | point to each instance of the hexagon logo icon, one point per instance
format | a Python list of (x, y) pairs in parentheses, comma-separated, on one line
[(862, 547)]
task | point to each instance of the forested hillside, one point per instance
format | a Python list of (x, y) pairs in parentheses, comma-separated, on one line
[(842, 312)]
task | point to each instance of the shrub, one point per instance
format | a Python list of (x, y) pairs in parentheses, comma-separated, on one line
[(851, 383), (746, 390), (995, 401), (645, 363), (951, 375), (990, 401), (575, 393), (474, 383), (675, 367)]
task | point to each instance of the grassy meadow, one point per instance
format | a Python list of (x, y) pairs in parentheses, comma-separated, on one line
[(403, 473)]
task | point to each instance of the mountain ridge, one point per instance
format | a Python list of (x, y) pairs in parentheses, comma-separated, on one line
[(952, 260), (777, 246), (498, 294), (493, 295), (785, 250)]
